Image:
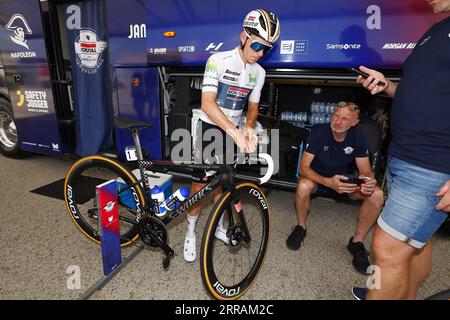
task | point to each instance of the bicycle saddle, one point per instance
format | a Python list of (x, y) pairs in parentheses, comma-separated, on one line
[(125, 123)]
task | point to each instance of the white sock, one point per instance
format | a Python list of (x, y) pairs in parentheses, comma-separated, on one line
[(191, 224), (220, 225)]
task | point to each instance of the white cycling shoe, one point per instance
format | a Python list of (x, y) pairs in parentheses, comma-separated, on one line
[(190, 248), (221, 234)]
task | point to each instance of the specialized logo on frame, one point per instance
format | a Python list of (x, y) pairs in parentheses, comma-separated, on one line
[(89, 49), (19, 27)]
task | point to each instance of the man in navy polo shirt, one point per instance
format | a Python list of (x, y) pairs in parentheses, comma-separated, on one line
[(328, 161), (418, 171)]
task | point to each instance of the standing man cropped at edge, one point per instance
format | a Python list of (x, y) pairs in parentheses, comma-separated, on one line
[(418, 172), (231, 79)]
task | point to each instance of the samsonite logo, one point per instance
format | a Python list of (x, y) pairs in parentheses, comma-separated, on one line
[(89, 49), (343, 46)]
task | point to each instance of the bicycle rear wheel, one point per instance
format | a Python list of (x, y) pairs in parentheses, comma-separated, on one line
[(81, 203), (229, 270), (443, 295)]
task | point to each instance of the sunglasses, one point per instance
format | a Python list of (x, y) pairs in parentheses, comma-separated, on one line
[(351, 106), (258, 46)]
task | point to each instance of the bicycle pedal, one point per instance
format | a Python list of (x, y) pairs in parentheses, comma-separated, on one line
[(93, 213)]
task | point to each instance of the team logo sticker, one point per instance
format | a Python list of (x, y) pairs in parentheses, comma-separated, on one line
[(251, 79), (348, 150), (294, 47), (33, 100), (89, 49), (19, 25)]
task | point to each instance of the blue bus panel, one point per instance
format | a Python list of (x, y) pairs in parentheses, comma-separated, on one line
[(138, 98), (314, 34), (24, 59)]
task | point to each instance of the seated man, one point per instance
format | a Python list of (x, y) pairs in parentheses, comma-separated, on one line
[(327, 161)]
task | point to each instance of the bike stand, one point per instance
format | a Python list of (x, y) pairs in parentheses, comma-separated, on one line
[(103, 281), (108, 219)]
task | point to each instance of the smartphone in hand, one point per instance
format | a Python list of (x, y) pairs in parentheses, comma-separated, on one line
[(365, 75), (356, 181)]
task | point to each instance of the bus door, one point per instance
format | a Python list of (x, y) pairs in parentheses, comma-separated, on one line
[(79, 37), (26, 68)]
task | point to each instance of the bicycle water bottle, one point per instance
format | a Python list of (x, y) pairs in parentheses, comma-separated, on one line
[(177, 198), (158, 196)]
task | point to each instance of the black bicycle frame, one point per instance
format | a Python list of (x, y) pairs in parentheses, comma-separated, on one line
[(191, 201), (225, 178)]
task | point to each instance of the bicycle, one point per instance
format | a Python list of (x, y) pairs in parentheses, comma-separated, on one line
[(442, 295), (244, 206)]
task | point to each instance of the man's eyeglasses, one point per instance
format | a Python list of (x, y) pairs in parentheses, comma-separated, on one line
[(258, 46), (351, 106)]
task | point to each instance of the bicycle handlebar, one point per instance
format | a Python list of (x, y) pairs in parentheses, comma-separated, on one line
[(270, 168)]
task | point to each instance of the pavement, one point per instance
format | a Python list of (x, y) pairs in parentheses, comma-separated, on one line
[(42, 252)]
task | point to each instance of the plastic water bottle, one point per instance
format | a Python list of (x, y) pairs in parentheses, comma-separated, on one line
[(157, 195), (177, 198), (321, 118)]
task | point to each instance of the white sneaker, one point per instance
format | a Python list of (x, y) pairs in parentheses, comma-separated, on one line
[(221, 234), (190, 248)]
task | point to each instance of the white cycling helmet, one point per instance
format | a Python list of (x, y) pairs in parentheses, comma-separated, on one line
[(262, 23)]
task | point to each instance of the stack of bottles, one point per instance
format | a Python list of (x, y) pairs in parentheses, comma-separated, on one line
[(321, 112), (296, 118)]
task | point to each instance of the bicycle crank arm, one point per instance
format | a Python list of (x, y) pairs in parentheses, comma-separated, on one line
[(167, 250), (168, 253), (166, 262)]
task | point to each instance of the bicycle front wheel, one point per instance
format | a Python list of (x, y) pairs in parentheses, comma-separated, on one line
[(229, 268), (443, 295), (81, 202)]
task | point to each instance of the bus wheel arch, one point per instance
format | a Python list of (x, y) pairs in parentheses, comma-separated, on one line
[(9, 139)]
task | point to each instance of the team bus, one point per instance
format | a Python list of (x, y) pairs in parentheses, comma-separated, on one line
[(68, 68)]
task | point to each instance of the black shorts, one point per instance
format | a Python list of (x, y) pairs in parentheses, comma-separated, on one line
[(212, 145), (328, 192)]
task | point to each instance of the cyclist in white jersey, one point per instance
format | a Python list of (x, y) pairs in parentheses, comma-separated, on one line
[(231, 80)]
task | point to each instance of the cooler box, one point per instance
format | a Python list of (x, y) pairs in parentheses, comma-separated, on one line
[(163, 180)]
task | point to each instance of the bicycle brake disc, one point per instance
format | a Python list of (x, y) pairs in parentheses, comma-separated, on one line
[(151, 228)]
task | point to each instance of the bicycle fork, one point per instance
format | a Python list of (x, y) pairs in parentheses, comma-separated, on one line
[(237, 232)]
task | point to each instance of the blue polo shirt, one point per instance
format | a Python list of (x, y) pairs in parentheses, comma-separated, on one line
[(332, 157), (420, 116)]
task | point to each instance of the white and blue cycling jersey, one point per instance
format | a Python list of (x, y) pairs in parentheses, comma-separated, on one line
[(234, 81)]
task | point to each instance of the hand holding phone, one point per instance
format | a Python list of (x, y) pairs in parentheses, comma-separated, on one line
[(356, 181), (365, 75)]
